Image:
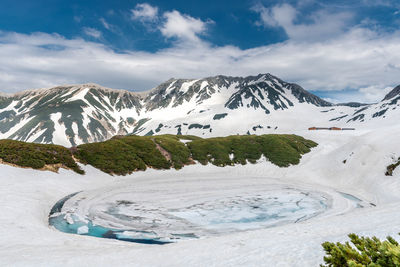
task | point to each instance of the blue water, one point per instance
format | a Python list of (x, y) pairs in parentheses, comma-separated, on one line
[(58, 206), (93, 230), (98, 231), (351, 197)]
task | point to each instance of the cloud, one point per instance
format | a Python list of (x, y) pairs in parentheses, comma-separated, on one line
[(171, 24), (144, 12), (375, 92), (92, 32), (109, 26), (356, 59), (331, 100), (320, 25), (182, 26), (77, 19), (105, 23), (385, 3)]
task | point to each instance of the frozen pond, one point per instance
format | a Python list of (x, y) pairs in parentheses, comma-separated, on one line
[(159, 217)]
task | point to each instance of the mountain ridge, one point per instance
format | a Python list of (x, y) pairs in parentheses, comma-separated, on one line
[(213, 106), (393, 93), (155, 89), (63, 86)]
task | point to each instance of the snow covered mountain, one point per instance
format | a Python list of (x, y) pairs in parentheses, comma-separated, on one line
[(214, 106), (386, 112), (68, 114)]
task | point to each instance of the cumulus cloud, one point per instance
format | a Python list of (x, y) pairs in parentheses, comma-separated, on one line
[(171, 24), (92, 32), (182, 26), (323, 24), (144, 12), (357, 59)]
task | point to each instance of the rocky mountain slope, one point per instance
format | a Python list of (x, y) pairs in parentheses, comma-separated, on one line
[(68, 114), (387, 108), (214, 106)]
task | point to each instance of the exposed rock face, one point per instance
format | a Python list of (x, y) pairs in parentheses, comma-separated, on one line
[(392, 94), (83, 113), (220, 105)]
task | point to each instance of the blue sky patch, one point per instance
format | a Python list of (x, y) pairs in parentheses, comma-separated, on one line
[(313, 43)]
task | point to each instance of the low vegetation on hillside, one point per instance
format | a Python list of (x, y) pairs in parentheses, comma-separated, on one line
[(122, 155), (392, 167), (36, 156), (363, 251), (281, 150)]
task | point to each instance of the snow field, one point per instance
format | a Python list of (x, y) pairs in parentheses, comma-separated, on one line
[(26, 197)]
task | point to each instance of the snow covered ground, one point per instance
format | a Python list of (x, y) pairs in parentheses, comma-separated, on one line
[(344, 162)]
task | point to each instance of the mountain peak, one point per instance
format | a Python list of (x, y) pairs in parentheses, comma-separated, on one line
[(395, 92), (71, 87), (82, 113)]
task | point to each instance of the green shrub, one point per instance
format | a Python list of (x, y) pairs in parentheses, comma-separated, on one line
[(145, 149), (214, 150), (178, 151), (392, 167), (125, 154), (281, 150), (36, 156), (363, 251), (113, 157)]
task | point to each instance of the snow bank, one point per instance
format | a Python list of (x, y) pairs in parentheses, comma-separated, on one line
[(352, 163)]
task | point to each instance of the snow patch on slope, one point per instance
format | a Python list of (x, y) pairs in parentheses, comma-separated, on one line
[(59, 135)]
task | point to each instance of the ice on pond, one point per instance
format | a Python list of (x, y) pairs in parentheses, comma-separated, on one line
[(245, 213), (129, 216), (83, 230)]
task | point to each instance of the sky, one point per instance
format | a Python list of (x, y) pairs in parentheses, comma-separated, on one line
[(340, 50)]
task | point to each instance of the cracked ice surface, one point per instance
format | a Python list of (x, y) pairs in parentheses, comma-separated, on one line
[(182, 214)]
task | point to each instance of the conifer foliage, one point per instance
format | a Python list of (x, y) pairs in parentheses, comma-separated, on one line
[(363, 251)]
